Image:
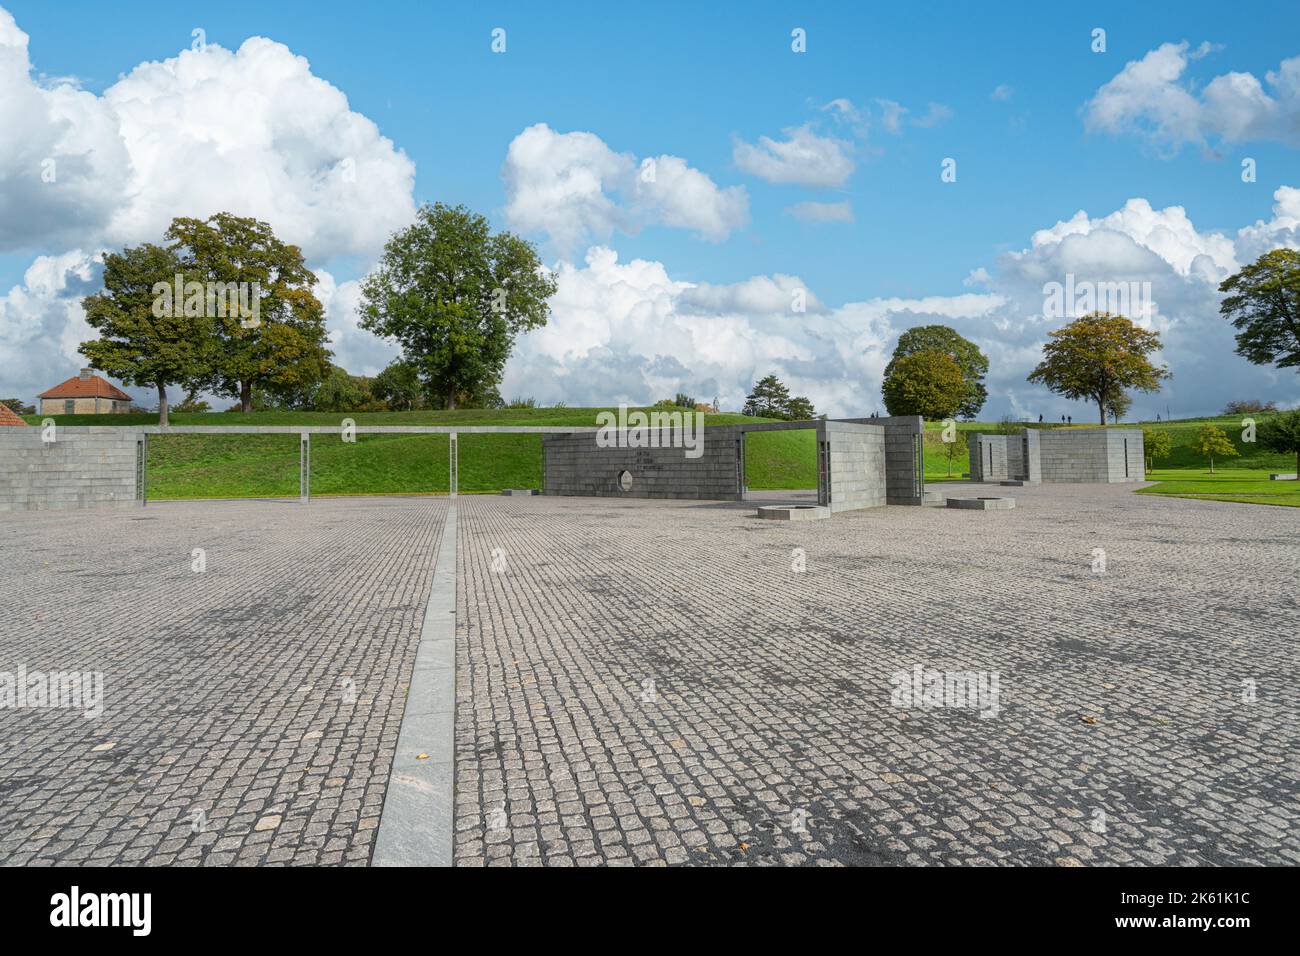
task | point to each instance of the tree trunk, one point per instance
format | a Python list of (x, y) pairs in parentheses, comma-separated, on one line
[(451, 399), (245, 396), (1211, 464), (1101, 405), (162, 404)]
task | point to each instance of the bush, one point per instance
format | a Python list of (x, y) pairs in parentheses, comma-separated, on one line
[(1249, 406)]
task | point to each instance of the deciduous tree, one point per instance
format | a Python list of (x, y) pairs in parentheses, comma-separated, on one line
[(1263, 304), (1211, 441), (1099, 357), (973, 363), (281, 348), (455, 295), (927, 383), (143, 341), (1156, 443)]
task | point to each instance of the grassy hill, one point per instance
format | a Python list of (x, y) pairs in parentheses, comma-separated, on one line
[(222, 466)]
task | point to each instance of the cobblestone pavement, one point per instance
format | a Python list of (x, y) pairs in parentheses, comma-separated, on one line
[(250, 711), (656, 682)]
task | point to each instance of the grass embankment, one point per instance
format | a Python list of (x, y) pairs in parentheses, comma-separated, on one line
[(221, 466), (241, 466)]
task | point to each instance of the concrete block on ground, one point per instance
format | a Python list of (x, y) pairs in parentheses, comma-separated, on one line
[(794, 512), (982, 504)]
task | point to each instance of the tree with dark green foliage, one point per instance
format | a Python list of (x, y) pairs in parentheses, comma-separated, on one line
[(800, 409), (973, 363), (18, 407), (282, 352), (1263, 305), (771, 399), (343, 392), (928, 383), (141, 341), (455, 295), (398, 386), (1281, 434)]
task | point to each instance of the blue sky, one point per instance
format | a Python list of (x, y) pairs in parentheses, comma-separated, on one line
[(688, 81)]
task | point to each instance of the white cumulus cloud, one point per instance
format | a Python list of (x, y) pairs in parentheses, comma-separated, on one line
[(632, 332), (573, 187), (251, 131), (1152, 96)]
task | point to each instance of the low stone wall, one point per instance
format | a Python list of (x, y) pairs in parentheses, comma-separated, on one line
[(1105, 455), (576, 465), (84, 467)]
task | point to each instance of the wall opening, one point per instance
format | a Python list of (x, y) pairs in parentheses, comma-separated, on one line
[(780, 466)]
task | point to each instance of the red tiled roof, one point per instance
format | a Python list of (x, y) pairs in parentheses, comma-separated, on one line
[(9, 417), (93, 387)]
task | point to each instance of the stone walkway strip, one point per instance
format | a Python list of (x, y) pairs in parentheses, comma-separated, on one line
[(415, 828)]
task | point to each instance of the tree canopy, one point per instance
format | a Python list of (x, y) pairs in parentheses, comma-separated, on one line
[(1157, 443), (1263, 304), (928, 383), (455, 295), (973, 363), (1211, 440), (771, 399), (281, 347), (1099, 357), (140, 342)]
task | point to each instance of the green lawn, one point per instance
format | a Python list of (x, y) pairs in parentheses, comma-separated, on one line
[(1226, 484)]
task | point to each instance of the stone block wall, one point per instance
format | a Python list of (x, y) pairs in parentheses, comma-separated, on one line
[(575, 465), (1106, 455), (988, 457), (858, 464), (904, 456), (84, 467)]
